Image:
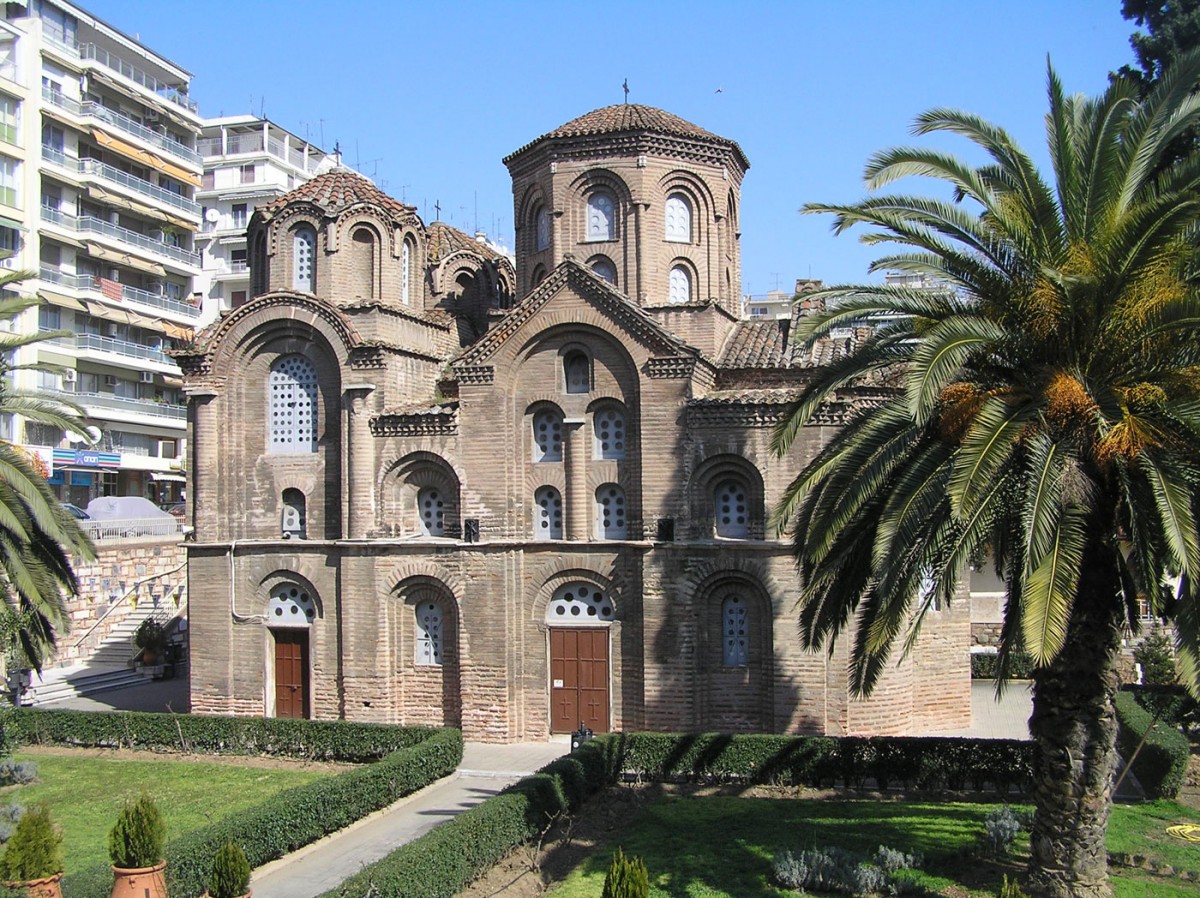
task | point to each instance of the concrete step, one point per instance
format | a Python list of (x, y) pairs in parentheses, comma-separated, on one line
[(82, 683)]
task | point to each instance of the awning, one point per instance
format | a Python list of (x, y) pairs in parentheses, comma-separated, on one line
[(112, 255), (99, 310), (126, 149), (175, 331), (55, 235), (167, 478), (105, 195), (66, 302), (12, 223)]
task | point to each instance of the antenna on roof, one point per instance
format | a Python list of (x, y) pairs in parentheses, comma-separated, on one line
[(625, 87)]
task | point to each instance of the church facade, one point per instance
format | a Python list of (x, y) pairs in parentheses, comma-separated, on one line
[(430, 487)]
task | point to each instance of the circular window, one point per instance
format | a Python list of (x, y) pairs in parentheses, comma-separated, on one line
[(290, 606)]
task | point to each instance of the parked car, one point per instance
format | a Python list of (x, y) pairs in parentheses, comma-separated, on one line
[(126, 516), (76, 512), (177, 510)]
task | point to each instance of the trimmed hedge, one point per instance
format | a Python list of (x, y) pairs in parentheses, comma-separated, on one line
[(923, 762), (399, 761), (985, 664), (444, 860), (322, 740), (1161, 763)]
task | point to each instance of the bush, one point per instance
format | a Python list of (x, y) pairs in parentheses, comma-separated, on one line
[(1010, 889), (17, 774), (35, 849), (1161, 762), (1156, 655), (137, 838), (230, 877), (626, 878), (985, 665), (835, 870), (1000, 829)]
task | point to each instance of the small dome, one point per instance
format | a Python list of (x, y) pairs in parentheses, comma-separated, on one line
[(336, 190)]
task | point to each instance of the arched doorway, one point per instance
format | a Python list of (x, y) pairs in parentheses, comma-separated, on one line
[(290, 613), (579, 616)]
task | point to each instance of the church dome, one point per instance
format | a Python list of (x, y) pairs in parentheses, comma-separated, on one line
[(336, 190)]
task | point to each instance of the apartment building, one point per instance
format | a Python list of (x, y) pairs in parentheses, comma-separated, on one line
[(99, 170), (248, 161)]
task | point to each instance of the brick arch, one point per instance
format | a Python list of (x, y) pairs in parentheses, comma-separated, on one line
[(288, 219), (399, 486), (700, 576), (425, 694), (303, 572), (418, 570), (705, 478), (259, 320), (567, 569), (530, 199)]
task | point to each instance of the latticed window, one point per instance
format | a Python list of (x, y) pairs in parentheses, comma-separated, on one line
[(732, 509), (678, 218), (293, 401), (547, 513), (542, 226), (406, 272), (680, 285), (577, 372), (304, 248), (735, 632), (429, 634), (290, 606), (602, 217), (547, 435), (579, 603), (605, 270), (293, 518), (610, 512), (432, 509), (608, 426)]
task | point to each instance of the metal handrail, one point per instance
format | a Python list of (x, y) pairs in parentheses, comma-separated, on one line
[(97, 225), (91, 109), (136, 75), (133, 294), (141, 185), (137, 585), (143, 406), (108, 531)]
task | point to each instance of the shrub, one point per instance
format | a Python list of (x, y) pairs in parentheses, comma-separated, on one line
[(230, 877), (835, 870), (151, 637), (1000, 829), (1010, 889), (985, 665), (1161, 761), (626, 878), (137, 838), (1156, 655), (35, 849), (17, 774)]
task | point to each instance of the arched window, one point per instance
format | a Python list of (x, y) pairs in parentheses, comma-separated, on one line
[(431, 506), (735, 632), (547, 435), (605, 270), (363, 261), (678, 218), (290, 606), (579, 603), (680, 285), (608, 429), (542, 228), (293, 405), (429, 635), (304, 251), (577, 374), (610, 512), (293, 518), (732, 505), (547, 513), (539, 274), (601, 217), (406, 269)]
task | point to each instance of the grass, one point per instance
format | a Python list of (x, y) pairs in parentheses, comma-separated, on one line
[(85, 792), (721, 847)]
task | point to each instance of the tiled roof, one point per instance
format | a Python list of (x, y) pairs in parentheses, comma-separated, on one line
[(444, 240), (757, 343), (632, 117), (335, 190)]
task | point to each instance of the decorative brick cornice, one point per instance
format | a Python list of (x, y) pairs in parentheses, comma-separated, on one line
[(674, 367), (315, 306), (430, 422), (475, 374), (367, 357)]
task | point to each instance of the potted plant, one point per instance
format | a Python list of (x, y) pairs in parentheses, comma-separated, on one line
[(33, 858), (135, 845), (230, 877), (151, 638)]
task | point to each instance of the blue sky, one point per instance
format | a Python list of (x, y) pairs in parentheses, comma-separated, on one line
[(428, 97)]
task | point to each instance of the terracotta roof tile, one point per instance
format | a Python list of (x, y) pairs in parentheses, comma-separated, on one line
[(757, 343), (336, 190), (632, 117), (444, 240)]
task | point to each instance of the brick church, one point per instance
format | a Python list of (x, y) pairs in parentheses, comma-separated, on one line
[(429, 488)]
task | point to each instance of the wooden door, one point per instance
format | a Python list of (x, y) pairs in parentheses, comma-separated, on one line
[(579, 679), (291, 673)]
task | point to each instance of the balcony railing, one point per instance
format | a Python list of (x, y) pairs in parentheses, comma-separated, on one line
[(87, 223), (121, 121), (122, 403), (88, 282), (253, 143), (144, 187), (136, 75), (126, 348), (111, 531)]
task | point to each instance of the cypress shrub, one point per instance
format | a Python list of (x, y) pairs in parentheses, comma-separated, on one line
[(34, 850), (1161, 763), (230, 877), (626, 878), (137, 838)]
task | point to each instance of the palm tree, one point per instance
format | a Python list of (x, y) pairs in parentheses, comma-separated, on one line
[(1045, 415), (37, 535)]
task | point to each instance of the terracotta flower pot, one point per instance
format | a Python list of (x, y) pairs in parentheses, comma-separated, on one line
[(249, 894), (47, 887), (140, 882)]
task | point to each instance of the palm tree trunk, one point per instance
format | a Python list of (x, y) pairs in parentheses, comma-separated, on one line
[(1075, 728)]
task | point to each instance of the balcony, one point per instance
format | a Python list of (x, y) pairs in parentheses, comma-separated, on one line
[(120, 403), (123, 122), (253, 143), (88, 283), (145, 188), (137, 75), (88, 224), (113, 346)]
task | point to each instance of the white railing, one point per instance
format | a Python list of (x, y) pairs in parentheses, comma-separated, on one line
[(136, 75), (88, 282), (140, 185), (121, 121), (133, 528)]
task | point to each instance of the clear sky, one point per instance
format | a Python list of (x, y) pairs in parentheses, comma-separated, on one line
[(427, 97)]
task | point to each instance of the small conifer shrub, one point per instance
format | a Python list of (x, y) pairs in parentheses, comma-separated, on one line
[(137, 838), (627, 878), (230, 876), (34, 850)]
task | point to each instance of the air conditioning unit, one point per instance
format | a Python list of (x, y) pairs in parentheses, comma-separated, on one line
[(110, 380), (167, 448), (110, 329), (147, 377), (69, 376)]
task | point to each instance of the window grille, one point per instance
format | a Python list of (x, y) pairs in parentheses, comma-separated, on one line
[(432, 509), (735, 632), (304, 246), (547, 436), (547, 513), (290, 606), (610, 512), (293, 401), (732, 509), (680, 285), (678, 213), (602, 217), (579, 603), (608, 426), (429, 635)]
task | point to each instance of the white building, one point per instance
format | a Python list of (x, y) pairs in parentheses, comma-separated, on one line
[(98, 175), (248, 161)]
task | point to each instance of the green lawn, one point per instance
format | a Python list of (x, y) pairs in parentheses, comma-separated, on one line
[(84, 794), (721, 847)]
